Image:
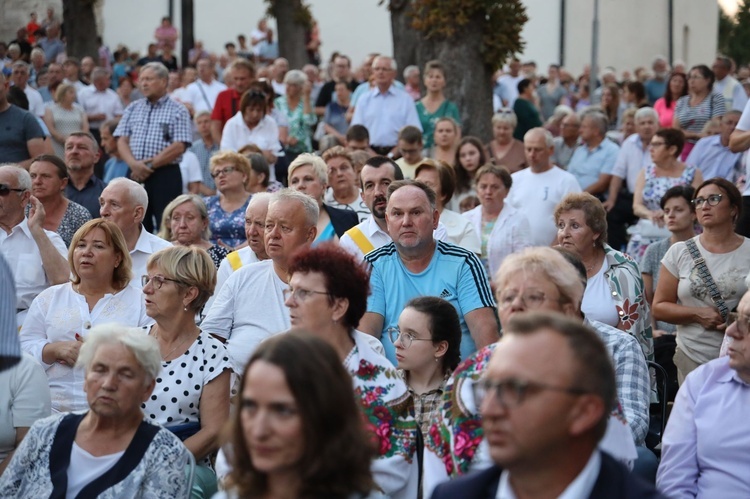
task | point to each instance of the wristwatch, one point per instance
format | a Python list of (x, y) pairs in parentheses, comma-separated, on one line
[(150, 164)]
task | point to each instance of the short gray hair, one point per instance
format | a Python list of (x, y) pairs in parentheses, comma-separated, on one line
[(136, 192), (23, 179), (549, 140), (165, 232), (394, 65), (295, 77), (99, 72), (647, 112), (600, 120), (144, 347), (428, 191), (261, 197), (21, 64), (505, 115), (408, 70), (310, 205), (37, 51), (158, 68), (200, 114)]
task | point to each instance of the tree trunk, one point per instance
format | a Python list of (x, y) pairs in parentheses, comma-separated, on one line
[(80, 28), (468, 78), (188, 27), (291, 33)]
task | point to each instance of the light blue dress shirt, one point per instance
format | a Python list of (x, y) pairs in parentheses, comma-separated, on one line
[(586, 165), (714, 159), (385, 114)]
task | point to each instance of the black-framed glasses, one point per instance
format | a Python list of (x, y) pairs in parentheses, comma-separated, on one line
[(712, 200), (226, 171), (395, 334), (300, 295), (156, 281), (5, 189), (743, 323), (511, 393)]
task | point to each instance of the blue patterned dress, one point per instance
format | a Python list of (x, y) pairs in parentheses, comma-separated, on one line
[(653, 190)]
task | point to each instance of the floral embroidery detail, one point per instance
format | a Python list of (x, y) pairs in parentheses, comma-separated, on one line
[(628, 313)]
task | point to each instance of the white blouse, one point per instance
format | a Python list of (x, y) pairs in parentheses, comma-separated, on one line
[(58, 314)]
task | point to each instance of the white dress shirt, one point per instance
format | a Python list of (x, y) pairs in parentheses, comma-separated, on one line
[(203, 95), (265, 135), (631, 159), (107, 103), (36, 102), (25, 261), (147, 245), (578, 488), (58, 314)]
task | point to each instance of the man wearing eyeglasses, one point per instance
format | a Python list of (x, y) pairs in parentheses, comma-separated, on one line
[(37, 257), (706, 445), (250, 305), (545, 402)]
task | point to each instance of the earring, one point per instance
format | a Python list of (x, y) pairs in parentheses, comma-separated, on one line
[(185, 308), (437, 359)]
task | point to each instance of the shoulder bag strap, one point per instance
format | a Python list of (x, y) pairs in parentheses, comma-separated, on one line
[(708, 280), (360, 240), (234, 260), (205, 97)]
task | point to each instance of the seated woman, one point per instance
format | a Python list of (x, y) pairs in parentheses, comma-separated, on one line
[(327, 297), (191, 396), (504, 230), (61, 316), (705, 438), (185, 223), (308, 174), (441, 179), (470, 156), (426, 365), (614, 291), (503, 149), (24, 399), (226, 210), (683, 297), (260, 175), (111, 450), (49, 177), (298, 431)]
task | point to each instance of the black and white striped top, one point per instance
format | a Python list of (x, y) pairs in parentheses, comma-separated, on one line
[(693, 119)]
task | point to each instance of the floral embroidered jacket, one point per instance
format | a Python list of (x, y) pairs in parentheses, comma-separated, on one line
[(455, 443), (389, 416), (628, 293)]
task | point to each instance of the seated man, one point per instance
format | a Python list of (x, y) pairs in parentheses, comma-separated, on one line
[(593, 161), (124, 202), (705, 445), (250, 305), (712, 155), (37, 257), (545, 400), (416, 264)]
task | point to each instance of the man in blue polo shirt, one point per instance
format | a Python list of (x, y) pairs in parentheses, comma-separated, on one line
[(415, 264), (593, 161), (712, 155)]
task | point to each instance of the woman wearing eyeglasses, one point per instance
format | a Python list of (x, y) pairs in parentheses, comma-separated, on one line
[(61, 316), (683, 294), (428, 349), (653, 182), (534, 279), (226, 210), (327, 297), (191, 396)]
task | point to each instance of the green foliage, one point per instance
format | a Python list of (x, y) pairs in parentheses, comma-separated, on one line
[(734, 34), (501, 23), (302, 14)]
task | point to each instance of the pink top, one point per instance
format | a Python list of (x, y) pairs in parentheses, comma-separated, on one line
[(666, 114), (166, 35)]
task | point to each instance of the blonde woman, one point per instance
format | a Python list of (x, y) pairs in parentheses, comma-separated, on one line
[(231, 172), (64, 117)]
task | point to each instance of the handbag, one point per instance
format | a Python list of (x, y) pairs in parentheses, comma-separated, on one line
[(708, 280)]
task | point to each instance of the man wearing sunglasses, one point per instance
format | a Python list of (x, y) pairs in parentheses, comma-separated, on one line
[(37, 257), (706, 445), (545, 402)]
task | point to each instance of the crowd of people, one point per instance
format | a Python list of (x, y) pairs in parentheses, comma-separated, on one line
[(232, 278)]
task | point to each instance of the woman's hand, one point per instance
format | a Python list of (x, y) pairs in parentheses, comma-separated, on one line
[(64, 352), (657, 217), (709, 318)]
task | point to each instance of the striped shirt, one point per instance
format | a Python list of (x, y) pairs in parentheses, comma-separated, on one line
[(694, 118), (454, 274), (154, 127)]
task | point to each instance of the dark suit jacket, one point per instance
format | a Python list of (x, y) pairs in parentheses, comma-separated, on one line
[(614, 482), (342, 220)]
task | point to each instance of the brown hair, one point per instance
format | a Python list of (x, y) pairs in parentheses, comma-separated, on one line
[(445, 173), (593, 211), (113, 235)]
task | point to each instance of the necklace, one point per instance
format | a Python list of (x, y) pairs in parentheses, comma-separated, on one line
[(165, 357)]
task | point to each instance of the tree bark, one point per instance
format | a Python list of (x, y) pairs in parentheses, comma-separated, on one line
[(80, 28), (187, 29), (468, 78), (291, 33)]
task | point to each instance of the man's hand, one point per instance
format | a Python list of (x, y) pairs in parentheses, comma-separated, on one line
[(36, 215), (139, 171), (609, 204)]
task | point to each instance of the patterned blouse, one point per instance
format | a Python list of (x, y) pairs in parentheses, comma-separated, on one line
[(427, 405), (217, 254), (300, 124), (226, 228)]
